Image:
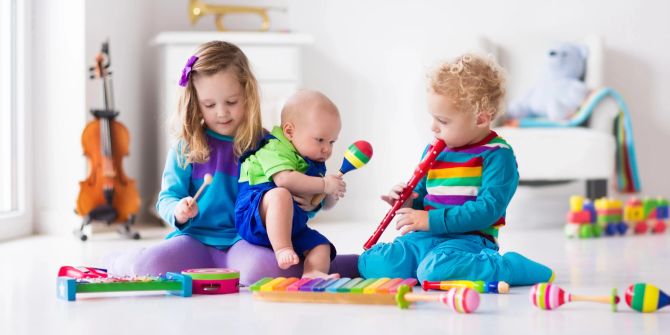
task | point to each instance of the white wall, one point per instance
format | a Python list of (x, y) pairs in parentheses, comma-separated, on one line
[(371, 58), (368, 63), (58, 105)]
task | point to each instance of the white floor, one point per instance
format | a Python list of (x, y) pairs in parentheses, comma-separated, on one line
[(28, 303)]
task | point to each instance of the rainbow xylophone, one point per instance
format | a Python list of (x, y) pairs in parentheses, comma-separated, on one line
[(646, 298), (372, 291)]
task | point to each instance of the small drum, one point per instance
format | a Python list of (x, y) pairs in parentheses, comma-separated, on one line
[(214, 280)]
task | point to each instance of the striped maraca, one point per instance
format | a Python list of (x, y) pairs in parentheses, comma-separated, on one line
[(548, 296), (357, 155), (646, 298), (462, 299)]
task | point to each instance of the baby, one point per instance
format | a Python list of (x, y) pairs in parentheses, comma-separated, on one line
[(278, 181)]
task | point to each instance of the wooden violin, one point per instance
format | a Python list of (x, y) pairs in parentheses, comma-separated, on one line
[(107, 194)]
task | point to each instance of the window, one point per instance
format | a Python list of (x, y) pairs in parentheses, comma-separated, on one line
[(7, 142), (14, 149)]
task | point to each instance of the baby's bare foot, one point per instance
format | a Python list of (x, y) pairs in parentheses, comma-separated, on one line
[(286, 258), (319, 274)]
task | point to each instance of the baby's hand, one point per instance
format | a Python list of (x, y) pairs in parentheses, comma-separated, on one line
[(411, 220), (395, 195), (334, 185), (304, 202), (185, 210)]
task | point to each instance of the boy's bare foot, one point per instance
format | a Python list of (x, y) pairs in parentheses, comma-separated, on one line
[(319, 274), (286, 258)]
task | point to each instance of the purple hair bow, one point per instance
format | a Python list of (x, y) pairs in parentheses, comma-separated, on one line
[(186, 72)]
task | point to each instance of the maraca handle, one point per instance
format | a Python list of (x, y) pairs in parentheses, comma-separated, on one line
[(436, 147), (316, 200)]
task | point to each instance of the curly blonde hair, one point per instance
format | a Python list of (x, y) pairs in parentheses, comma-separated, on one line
[(475, 84), (213, 57)]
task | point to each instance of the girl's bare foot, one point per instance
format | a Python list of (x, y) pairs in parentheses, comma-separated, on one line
[(319, 274), (286, 258)]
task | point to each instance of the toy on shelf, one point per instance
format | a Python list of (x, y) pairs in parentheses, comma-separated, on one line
[(612, 217), (67, 288), (214, 280), (549, 296), (478, 285), (581, 220), (435, 148), (372, 291), (81, 272), (357, 155), (646, 298)]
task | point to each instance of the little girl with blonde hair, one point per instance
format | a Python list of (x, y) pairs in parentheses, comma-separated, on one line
[(219, 119)]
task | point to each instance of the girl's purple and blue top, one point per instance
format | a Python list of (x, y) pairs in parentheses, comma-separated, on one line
[(215, 223)]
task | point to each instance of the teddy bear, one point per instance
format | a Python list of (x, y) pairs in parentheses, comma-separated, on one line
[(560, 91)]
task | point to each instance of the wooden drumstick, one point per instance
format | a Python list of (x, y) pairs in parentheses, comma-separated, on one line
[(207, 181)]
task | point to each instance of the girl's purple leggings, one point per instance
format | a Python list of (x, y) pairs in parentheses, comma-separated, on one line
[(183, 252)]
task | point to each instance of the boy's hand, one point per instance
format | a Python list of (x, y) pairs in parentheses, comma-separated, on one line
[(395, 195), (334, 185), (411, 220), (183, 212)]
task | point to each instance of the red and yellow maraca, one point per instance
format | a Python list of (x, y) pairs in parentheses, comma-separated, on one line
[(357, 155), (646, 298), (549, 296)]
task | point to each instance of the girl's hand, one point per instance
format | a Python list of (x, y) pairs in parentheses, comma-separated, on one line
[(394, 195), (334, 185), (304, 202), (411, 220), (183, 212)]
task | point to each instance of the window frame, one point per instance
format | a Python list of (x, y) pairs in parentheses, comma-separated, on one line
[(18, 221)]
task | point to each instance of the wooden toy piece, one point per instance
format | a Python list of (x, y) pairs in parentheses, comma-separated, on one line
[(646, 298), (549, 296), (656, 213), (214, 280), (67, 288), (581, 220), (435, 148), (357, 155), (609, 216), (633, 214), (207, 180), (461, 299), (374, 291), (477, 285)]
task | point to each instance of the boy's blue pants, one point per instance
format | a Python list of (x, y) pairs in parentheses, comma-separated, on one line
[(449, 257)]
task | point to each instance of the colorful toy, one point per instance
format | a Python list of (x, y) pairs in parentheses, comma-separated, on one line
[(646, 298), (81, 272), (435, 148), (633, 214), (478, 285), (581, 219), (373, 291), (612, 217), (176, 284), (609, 218), (656, 214), (549, 296), (357, 155), (214, 280), (206, 181)]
